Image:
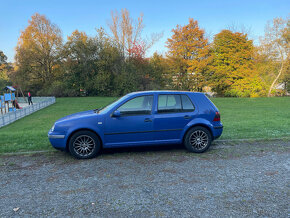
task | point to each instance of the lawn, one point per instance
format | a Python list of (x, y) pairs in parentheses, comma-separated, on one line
[(242, 118)]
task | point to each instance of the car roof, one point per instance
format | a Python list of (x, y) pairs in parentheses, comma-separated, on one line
[(162, 92)]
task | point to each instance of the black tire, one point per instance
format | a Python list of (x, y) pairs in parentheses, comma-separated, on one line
[(198, 139), (84, 145)]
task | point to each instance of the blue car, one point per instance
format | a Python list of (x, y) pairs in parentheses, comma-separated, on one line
[(138, 119)]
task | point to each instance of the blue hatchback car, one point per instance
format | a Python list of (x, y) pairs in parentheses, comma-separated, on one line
[(140, 118)]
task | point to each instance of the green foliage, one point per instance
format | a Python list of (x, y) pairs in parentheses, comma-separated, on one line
[(30, 133), (3, 58), (160, 72), (4, 69), (233, 69)]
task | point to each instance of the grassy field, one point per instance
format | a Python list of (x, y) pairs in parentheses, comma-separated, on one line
[(242, 118)]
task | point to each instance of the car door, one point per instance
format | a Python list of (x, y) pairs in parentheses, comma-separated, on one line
[(174, 112), (134, 125)]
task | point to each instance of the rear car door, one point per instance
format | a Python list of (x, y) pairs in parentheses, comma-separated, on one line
[(174, 112)]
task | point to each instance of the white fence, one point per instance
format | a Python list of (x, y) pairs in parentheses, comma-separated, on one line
[(39, 103)]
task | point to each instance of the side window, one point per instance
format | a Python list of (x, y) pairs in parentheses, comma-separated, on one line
[(187, 105), (137, 106), (169, 103)]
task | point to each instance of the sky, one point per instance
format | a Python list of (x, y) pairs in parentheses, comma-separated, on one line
[(159, 16)]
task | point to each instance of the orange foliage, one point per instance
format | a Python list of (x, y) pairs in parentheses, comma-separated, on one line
[(189, 55)]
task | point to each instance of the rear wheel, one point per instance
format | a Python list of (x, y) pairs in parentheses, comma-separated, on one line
[(84, 145), (197, 139)]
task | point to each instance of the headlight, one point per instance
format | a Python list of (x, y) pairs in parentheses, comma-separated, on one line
[(52, 128)]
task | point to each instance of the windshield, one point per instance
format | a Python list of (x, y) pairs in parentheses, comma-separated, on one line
[(110, 106)]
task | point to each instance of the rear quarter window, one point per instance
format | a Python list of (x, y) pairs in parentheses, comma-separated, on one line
[(186, 103)]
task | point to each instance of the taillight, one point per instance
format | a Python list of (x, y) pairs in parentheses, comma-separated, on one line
[(217, 116)]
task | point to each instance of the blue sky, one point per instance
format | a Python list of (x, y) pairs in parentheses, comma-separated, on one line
[(159, 16)]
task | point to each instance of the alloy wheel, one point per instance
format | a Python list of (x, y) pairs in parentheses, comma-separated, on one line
[(199, 139), (84, 145)]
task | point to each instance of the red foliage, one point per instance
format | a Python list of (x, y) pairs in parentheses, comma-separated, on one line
[(138, 50)]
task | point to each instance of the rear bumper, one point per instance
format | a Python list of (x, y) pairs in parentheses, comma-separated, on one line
[(218, 127), (217, 131)]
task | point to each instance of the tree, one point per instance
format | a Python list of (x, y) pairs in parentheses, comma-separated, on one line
[(233, 71), (37, 52), (138, 50), (189, 56), (79, 56), (92, 63), (5, 68), (160, 70), (3, 58), (276, 45), (128, 32)]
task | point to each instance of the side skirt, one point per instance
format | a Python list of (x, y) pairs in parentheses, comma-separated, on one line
[(142, 143)]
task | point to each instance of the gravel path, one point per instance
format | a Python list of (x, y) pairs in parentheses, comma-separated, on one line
[(232, 179)]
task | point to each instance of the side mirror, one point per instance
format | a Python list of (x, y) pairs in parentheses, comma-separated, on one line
[(116, 113)]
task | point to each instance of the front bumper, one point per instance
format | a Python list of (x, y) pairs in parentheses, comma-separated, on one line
[(56, 136), (57, 140)]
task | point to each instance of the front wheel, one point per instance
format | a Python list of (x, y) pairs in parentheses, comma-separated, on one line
[(197, 139), (84, 145)]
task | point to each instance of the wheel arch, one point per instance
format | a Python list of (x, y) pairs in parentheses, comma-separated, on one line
[(195, 125), (82, 129)]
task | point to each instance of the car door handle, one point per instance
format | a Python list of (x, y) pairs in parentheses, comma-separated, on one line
[(147, 120), (187, 117)]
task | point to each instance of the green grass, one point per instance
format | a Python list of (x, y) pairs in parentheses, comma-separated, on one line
[(30, 133), (242, 118), (265, 118)]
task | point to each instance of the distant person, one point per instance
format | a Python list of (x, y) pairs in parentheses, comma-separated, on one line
[(29, 99)]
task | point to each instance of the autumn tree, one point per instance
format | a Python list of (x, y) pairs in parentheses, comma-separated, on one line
[(189, 56), (233, 70), (276, 46), (37, 52), (127, 32)]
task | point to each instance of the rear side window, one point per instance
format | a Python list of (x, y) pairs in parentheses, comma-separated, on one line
[(174, 104), (169, 103), (187, 105)]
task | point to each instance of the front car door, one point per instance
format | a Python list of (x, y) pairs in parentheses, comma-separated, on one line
[(134, 125), (174, 112)]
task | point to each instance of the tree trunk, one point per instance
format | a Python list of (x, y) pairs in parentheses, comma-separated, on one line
[(275, 80)]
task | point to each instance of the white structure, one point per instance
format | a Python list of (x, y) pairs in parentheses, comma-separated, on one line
[(38, 103)]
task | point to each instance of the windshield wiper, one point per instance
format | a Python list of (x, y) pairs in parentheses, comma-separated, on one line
[(97, 110)]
